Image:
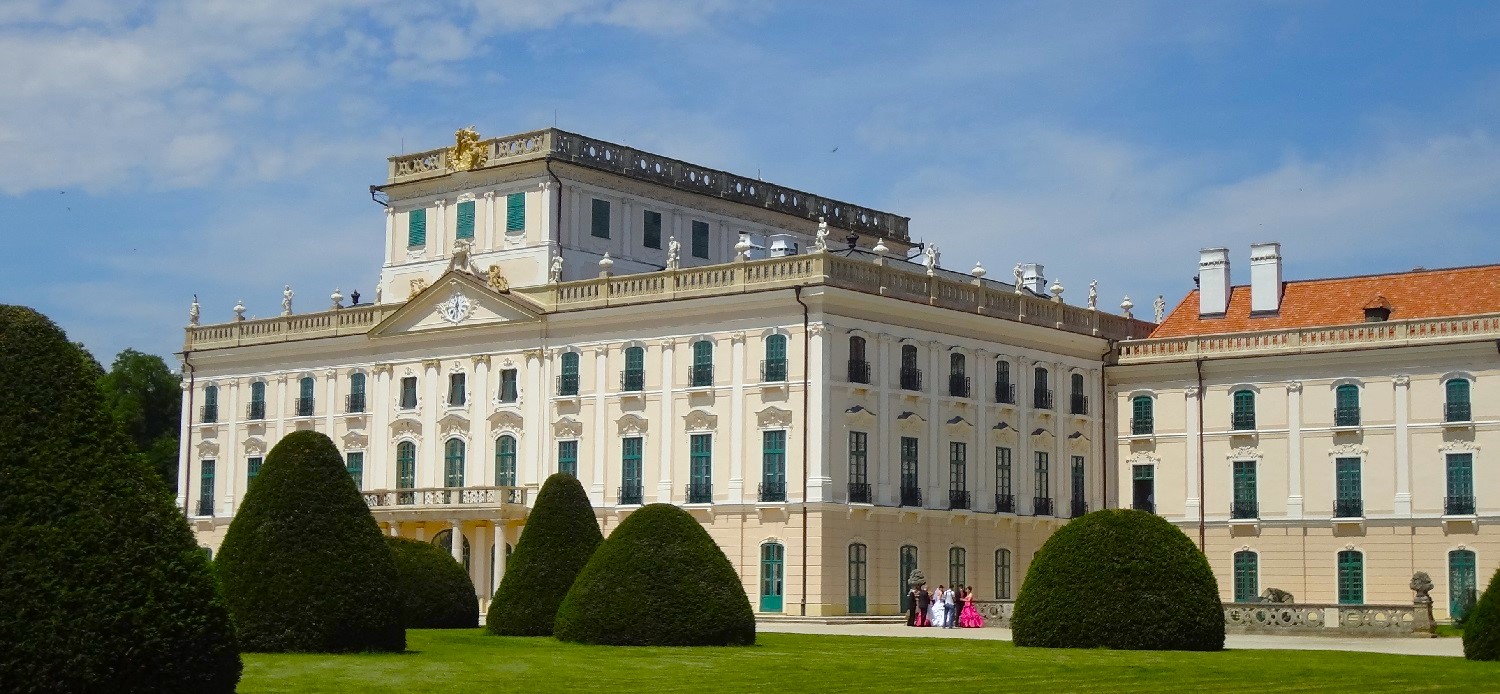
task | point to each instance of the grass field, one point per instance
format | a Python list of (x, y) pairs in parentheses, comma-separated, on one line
[(472, 661)]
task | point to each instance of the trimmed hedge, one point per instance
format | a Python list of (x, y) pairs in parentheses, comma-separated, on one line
[(436, 591), (303, 565), (659, 580), (102, 585), (1482, 625), (1121, 579), (561, 534)]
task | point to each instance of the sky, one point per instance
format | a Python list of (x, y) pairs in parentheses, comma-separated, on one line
[(153, 150)]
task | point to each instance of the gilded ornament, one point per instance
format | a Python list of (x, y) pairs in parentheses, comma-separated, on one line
[(466, 154)]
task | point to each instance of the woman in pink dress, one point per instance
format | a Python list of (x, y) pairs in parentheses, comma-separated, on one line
[(969, 617)]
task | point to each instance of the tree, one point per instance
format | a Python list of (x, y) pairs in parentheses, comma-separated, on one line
[(144, 398), (1482, 625), (303, 565), (561, 534), (1122, 579), (436, 591), (659, 580), (103, 586)]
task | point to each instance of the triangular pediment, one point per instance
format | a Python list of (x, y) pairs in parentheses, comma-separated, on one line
[(456, 300)]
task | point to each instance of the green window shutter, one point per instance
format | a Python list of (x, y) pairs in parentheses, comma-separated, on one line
[(515, 213), (1043, 475), (453, 463), (958, 570), (776, 348), (1002, 574), (651, 229), (1002, 470), (567, 457), (505, 461), (416, 228), (355, 464), (700, 239), (1244, 480), (1351, 578), (958, 466), (252, 468), (1142, 419), (1246, 576), (859, 470), (206, 488), (600, 219), (909, 462), (630, 454), (465, 224), (703, 353), (773, 457), (1346, 471), (1460, 475), (406, 465)]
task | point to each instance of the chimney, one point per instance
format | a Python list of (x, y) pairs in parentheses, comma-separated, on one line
[(1033, 279), (1265, 277), (1213, 281)]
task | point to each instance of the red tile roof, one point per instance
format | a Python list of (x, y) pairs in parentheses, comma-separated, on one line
[(1442, 293)]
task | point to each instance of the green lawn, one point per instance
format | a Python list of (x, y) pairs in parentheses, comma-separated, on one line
[(472, 661)]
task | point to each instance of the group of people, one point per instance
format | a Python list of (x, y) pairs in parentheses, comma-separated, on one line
[(945, 607)]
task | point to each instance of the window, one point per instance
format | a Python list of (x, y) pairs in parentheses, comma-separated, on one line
[(958, 378), (1348, 501), (600, 229), (774, 367), (508, 390), (1005, 499), (355, 402), (772, 573), (699, 245), (1245, 503), (1079, 497), (911, 376), (700, 469), (1041, 391), (464, 227), (634, 379), (651, 229), (210, 412), (958, 475), (859, 367), (304, 403), (505, 461), (908, 557), (406, 470), (456, 390), (1351, 577), (1005, 391), (206, 488), (773, 466), (1463, 583), (1142, 415), (567, 382), (1244, 410), (1456, 409), (453, 463), (257, 401), (702, 371), (252, 469), (859, 468), (444, 539), (958, 569), (567, 457), (1042, 502), (1078, 400), (1002, 574), (911, 485), (416, 228), (408, 392), (1246, 576), (515, 213), (354, 462), (631, 491), (859, 578), (1143, 488), (1346, 405), (1460, 499)]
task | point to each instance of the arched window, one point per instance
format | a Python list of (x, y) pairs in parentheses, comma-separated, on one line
[(356, 401), (406, 470), (257, 401), (911, 376), (567, 381), (635, 369), (1346, 405), (958, 567), (444, 539), (956, 363), (859, 579), (1456, 409), (701, 373), (1246, 576), (772, 574), (1243, 417), (1142, 415), (774, 367), (1077, 399), (1351, 577), (453, 463), (1005, 390), (859, 367), (958, 379), (1002, 574), (908, 558), (305, 396), (210, 412), (1463, 583), (505, 461), (1041, 396), (857, 348)]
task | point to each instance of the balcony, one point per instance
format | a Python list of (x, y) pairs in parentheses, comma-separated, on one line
[(772, 492), (1244, 510), (700, 492), (1348, 508), (632, 381), (773, 370), (1041, 399), (859, 493), (1142, 426), (959, 499), (256, 410), (206, 506), (631, 494), (1347, 416), (208, 414), (1005, 393), (446, 503), (958, 385), (1457, 412), (1458, 505), (859, 371), (1005, 503), (701, 375), (1242, 421), (304, 407), (1146, 505), (354, 403), (1078, 403), (1041, 506), (911, 379), (567, 385), (911, 496), (1079, 508)]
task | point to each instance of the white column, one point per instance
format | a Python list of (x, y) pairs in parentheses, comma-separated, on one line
[(1191, 502), (1023, 459), (380, 476), (981, 459), (1403, 445), (437, 232), (534, 403), (331, 403), (230, 448), (489, 241), (546, 227), (480, 564), (737, 418), (1062, 465), (668, 435), (1102, 497), (477, 473), (884, 447), (391, 242), (600, 440), (184, 456), (280, 411), (1294, 449), (936, 493), (419, 533), (458, 542), (818, 421), (501, 542), (429, 461)]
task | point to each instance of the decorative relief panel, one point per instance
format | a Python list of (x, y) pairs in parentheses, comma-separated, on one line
[(1004, 433), (355, 440), (254, 446), (698, 420), (1143, 458), (567, 428), (773, 418), (208, 449), (1078, 443), (410, 428), (508, 422), (1459, 446), (1245, 453), (1348, 450), (910, 422), (632, 425)]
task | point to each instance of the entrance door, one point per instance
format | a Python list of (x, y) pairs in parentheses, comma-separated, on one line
[(908, 565), (772, 565), (1462, 583), (858, 578)]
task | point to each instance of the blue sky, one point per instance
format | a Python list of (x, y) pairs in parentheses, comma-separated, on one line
[(153, 150)]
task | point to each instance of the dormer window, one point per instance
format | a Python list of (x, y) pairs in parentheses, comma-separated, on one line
[(1378, 310)]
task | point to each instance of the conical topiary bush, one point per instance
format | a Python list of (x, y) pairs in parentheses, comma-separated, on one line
[(303, 565), (659, 580), (560, 535), (1122, 579), (102, 586), (436, 591), (1482, 625)]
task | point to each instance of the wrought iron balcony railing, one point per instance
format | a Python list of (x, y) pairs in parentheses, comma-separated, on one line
[(1041, 399), (1005, 392), (700, 492), (1348, 508), (354, 403), (859, 493), (1146, 505), (1458, 505), (206, 506), (911, 379), (1242, 510), (958, 499), (701, 375), (256, 410), (1140, 426), (1041, 506), (632, 381), (631, 494), (304, 407), (859, 371), (958, 385), (773, 370), (1078, 404), (772, 491), (208, 414), (911, 496), (1347, 416), (1242, 421), (1456, 412), (567, 384), (1079, 507), (1005, 503)]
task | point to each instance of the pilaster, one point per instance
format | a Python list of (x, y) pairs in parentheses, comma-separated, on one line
[(601, 423), (381, 475), (1402, 384), (818, 481), (476, 405), (1192, 397), (668, 435), (884, 449), (1294, 450), (737, 418), (429, 461)]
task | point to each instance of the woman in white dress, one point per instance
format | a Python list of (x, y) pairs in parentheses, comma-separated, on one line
[(935, 611)]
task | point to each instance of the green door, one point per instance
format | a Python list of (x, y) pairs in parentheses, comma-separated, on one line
[(1351, 578), (772, 564), (908, 565), (1462, 582), (858, 578)]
